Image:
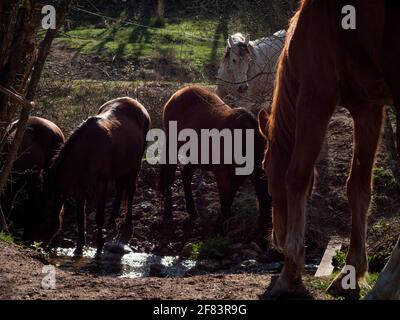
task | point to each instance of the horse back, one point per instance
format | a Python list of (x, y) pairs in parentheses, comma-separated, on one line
[(197, 108), (126, 110), (40, 143)]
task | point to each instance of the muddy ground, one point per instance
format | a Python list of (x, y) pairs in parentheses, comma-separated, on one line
[(21, 278), (327, 216)]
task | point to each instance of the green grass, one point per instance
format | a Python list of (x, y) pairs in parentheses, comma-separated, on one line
[(184, 37), (384, 178), (322, 284), (5, 237), (368, 283), (339, 260), (214, 248)]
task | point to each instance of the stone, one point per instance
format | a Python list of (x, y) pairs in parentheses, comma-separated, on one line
[(187, 250), (156, 270), (208, 265), (249, 264), (67, 243), (226, 263), (117, 247)]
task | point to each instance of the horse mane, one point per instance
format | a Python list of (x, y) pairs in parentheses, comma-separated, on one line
[(66, 148), (282, 119)]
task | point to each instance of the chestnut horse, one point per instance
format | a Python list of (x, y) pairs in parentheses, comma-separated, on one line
[(106, 148), (197, 108), (41, 141), (323, 65)]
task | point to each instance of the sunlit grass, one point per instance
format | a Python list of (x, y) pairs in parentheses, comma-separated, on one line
[(190, 39), (5, 237)]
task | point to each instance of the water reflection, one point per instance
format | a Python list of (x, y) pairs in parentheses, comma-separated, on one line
[(125, 264)]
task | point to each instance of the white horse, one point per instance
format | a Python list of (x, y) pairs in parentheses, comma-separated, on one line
[(247, 70), (387, 286)]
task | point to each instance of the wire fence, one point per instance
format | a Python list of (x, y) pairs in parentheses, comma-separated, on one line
[(172, 52), (158, 29)]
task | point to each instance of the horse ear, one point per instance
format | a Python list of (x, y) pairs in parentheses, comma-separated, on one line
[(263, 121), (247, 41), (230, 42)]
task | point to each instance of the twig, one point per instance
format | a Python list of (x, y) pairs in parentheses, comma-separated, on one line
[(3, 221), (16, 97)]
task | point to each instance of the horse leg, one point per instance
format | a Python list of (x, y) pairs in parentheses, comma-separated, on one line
[(116, 204), (264, 200), (100, 205), (359, 191), (187, 176), (311, 126), (33, 187), (80, 202), (127, 227), (228, 184), (167, 177)]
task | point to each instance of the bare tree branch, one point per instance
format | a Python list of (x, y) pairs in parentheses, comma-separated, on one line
[(16, 97), (33, 84)]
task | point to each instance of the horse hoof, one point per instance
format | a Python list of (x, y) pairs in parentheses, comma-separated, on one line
[(337, 289), (286, 290)]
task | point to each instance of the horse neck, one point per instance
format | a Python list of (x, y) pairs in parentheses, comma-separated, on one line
[(283, 118), (60, 173)]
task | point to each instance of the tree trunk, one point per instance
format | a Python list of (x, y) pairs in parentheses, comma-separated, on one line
[(160, 9), (19, 61)]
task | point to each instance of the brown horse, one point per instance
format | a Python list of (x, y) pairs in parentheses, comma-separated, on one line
[(106, 148), (40, 143), (197, 108), (323, 65)]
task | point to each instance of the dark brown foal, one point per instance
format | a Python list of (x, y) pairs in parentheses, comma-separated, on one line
[(40, 143), (199, 109), (106, 148)]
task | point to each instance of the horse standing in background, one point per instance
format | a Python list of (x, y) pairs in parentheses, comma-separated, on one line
[(247, 70), (323, 65), (387, 286), (106, 148), (41, 141)]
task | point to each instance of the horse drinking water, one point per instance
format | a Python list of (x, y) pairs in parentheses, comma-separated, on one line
[(106, 148), (199, 109), (41, 141)]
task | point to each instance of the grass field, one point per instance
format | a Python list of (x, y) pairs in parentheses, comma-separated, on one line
[(196, 43)]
